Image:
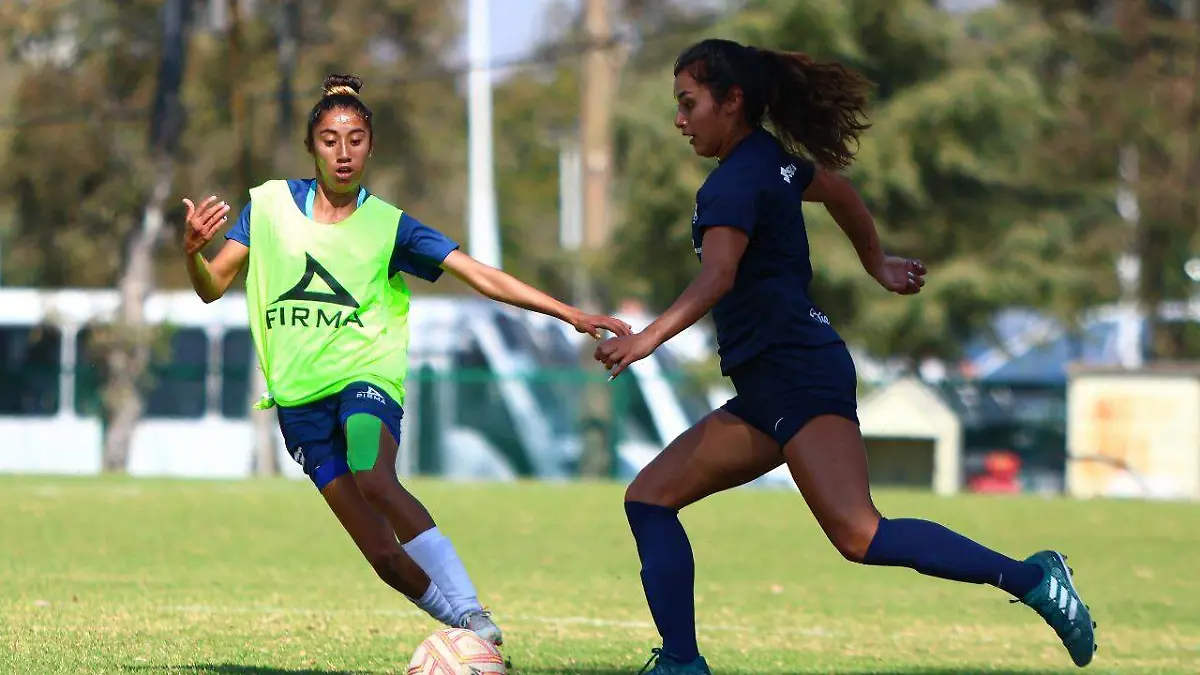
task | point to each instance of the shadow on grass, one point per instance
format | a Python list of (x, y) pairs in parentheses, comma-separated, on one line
[(234, 669), (903, 670)]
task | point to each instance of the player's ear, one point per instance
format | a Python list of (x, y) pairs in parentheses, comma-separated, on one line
[(734, 99)]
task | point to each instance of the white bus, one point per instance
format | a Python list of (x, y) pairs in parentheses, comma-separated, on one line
[(471, 411)]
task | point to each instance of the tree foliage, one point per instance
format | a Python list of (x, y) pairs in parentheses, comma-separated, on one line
[(77, 170), (1129, 73)]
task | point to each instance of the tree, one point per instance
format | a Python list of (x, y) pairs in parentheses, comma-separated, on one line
[(1130, 77), (83, 89), (128, 355), (73, 161)]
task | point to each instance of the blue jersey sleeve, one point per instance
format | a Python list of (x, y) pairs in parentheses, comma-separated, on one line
[(806, 171), (732, 204), (419, 250), (240, 232)]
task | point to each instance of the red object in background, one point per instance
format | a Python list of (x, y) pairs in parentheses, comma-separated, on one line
[(1000, 471)]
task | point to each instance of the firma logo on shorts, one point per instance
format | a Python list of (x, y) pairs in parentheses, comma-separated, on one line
[(372, 395)]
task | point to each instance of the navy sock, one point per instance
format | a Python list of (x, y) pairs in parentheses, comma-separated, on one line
[(936, 551), (668, 576)]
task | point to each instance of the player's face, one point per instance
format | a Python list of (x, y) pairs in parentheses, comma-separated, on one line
[(341, 145), (700, 117)]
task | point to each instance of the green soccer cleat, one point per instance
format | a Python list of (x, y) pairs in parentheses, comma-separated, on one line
[(665, 664), (1057, 601)]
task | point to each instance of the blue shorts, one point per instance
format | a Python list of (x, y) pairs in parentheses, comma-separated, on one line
[(784, 388), (315, 433)]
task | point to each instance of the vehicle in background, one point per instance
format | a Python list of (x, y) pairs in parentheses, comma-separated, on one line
[(471, 410)]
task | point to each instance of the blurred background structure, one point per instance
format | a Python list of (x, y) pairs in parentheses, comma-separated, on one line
[(1041, 156)]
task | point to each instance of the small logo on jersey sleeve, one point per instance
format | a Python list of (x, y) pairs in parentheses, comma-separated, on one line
[(787, 172), (818, 316)]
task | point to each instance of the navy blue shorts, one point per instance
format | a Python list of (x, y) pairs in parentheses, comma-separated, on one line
[(783, 388), (315, 433)]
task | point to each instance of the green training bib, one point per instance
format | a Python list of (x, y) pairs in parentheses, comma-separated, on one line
[(323, 310)]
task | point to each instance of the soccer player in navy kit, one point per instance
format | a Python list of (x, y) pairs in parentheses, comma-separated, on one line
[(794, 378)]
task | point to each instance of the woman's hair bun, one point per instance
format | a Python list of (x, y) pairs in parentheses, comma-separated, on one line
[(342, 85)]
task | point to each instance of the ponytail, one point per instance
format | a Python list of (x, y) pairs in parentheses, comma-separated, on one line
[(815, 108)]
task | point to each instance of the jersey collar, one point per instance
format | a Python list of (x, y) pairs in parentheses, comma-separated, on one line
[(312, 196)]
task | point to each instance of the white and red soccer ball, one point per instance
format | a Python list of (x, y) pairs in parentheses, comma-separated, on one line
[(456, 651)]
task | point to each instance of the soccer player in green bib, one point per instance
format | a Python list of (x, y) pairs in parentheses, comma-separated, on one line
[(329, 317)]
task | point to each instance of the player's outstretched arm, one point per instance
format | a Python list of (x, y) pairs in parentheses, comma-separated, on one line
[(501, 287), (210, 279), (723, 248), (842, 201)]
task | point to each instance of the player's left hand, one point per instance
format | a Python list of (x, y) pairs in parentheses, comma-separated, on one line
[(904, 276), (591, 324), (618, 353)]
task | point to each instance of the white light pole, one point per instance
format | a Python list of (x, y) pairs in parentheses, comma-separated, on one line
[(483, 236)]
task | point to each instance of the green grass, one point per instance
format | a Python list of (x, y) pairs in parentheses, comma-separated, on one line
[(121, 575)]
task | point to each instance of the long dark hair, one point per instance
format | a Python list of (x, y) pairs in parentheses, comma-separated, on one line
[(340, 91), (815, 107)]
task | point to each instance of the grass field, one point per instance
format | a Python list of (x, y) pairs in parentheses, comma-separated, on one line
[(121, 575)]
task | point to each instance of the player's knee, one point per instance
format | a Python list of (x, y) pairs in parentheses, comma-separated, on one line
[(852, 537), (634, 493), (646, 492)]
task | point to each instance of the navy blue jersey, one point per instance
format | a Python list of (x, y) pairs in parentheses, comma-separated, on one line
[(759, 189), (419, 249)]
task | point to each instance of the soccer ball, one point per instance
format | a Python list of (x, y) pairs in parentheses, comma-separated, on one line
[(456, 651)]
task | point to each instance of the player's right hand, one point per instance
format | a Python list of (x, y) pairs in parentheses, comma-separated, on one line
[(903, 276), (203, 222)]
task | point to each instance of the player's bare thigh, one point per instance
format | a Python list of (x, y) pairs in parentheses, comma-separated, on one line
[(382, 489), (828, 461), (717, 453)]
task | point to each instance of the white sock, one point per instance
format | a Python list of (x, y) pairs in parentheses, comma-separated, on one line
[(435, 604), (436, 555)]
